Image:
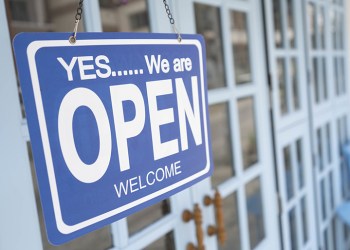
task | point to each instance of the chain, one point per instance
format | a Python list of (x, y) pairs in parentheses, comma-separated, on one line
[(172, 20), (73, 38)]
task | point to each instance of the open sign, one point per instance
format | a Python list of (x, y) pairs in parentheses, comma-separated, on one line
[(117, 122)]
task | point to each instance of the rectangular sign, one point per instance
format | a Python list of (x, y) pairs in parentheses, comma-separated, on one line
[(117, 121)]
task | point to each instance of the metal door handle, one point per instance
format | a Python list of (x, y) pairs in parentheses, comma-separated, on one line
[(218, 230), (196, 215)]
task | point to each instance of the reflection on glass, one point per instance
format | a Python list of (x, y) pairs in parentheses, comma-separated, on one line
[(247, 131), (320, 148), (321, 28), (164, 243), (147, 216), (316, 80), (277, 19), (299, 149), (221, 143), (295, 85), (304, 217), (124, 16), (291, 25), (255, 212), (281, 67), (323, 199), (231, 216), (208, 23), (288, 171), (293, 229), (240, 44), (329, 143), (311, 10)]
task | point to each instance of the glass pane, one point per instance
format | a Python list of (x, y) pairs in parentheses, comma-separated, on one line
[(324, 78), (334, 19), (293, 229), (323, 199), (221, 143), (240, 44), (340, 30), (231, 216), (336, 75), (325, 239), (321, 28), (277, 18), (334, 230), (299, 149), (164, 243), (320, 148), (295, 85), (304, 220), (255, 212), (342, 82), (288, 171), (281, 67), (247, 131), (329, 143), (124, 16), (316, 80), (291, 25), (147, 216), (331, 190), (208, 23), (311, 10)]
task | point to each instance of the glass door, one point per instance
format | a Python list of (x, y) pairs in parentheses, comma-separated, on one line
[(291, 124), (241, 138)]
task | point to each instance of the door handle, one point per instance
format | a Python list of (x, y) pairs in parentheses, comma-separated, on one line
[(219, 230), (196, 215)]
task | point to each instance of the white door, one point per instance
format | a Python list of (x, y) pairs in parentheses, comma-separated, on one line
[(241, 138), (285, 39)]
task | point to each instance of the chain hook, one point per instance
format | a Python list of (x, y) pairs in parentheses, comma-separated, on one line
[(172, 21), (72, 39)]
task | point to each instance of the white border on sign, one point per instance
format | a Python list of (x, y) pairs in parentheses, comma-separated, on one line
[(31, 52)]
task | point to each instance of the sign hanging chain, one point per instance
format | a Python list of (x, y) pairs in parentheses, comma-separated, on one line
[(73, 38), (171, 20)]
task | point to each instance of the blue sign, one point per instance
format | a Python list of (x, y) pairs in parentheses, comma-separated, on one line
[(117, 121)]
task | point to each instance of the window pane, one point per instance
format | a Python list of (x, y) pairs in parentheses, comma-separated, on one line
[(277, 18), (293, 229), (304, 220), (281, 67), (147, 216), (329, 143), (208, 23), (291, 25), (323, 199), (299, 149), (331, 190), (334, 230), (295, 84), (124, 16), (240, 44), (221, 143), (164, 243), (320, 148), (321, 28), (255, 212), (247, 131), (342, 82), (336, 75), (324, 78), (288, 171), (311, 10), (231, 216), (316, 80), (334, 22)]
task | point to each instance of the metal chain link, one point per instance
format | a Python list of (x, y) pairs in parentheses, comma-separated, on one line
[(73, 38), (172, 20)]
